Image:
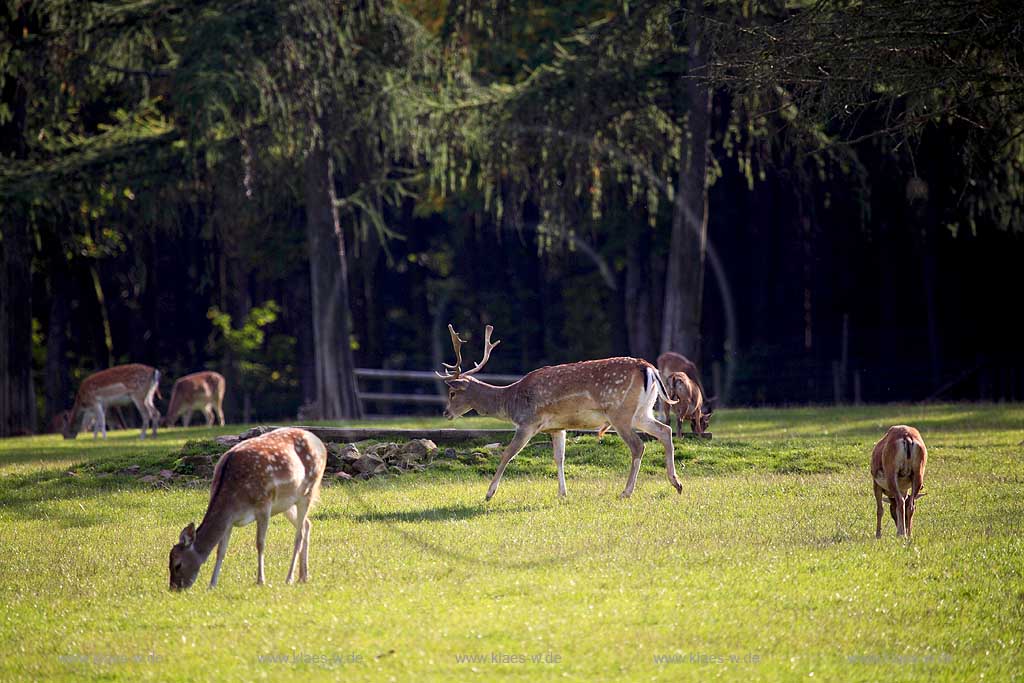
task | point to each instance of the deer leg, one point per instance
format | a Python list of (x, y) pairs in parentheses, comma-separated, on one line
[(663, 433), (101, 422), (220, 414), (636, 449), (143, 409), (154, 414), (297, 515), (262, 522), (304, 560), (222, 550), (208, 412), (878, 511), (292, 515), (522, 437), (901, 502), (558, 446)]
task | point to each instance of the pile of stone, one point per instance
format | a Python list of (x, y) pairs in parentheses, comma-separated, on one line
[(345, 461)]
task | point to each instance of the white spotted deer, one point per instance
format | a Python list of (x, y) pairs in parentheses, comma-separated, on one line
[(121, 384), (585, 395), (202, 391), (897, 472), (278, 472)]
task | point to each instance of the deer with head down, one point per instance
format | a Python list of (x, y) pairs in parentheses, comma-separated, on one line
[(689, 404), (278, 472), (121, 384), (202, 391), (897, 473), (584, 395)]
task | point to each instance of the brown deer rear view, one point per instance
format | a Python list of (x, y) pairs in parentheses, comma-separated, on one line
[(689, 405), (897, 474), (202, 391)]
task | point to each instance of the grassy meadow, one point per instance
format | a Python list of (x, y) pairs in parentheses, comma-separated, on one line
[(764, 568)]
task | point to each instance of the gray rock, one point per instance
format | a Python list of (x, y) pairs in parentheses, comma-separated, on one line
[(368, 464), (417, 449)]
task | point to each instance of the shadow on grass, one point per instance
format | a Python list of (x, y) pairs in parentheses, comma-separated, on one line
[(440, 513), (36, 497)]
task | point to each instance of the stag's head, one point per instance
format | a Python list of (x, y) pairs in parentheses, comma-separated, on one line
[(460, 394), (184, 561)]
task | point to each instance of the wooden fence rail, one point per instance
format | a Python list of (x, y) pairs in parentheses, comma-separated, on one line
[(437, 397)]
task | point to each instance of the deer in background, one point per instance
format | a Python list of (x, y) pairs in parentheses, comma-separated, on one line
[(671, 362), (897, 473), (278, 472), (689, 404), (202, 391), (121, 384), (584, 395)]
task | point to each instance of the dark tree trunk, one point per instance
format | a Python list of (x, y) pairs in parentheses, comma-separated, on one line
[(56, 374), (328, 269), (17, 395), (684, 283), (639, 309)]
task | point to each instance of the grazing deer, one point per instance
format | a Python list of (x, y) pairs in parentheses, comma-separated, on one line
[(671, 362), (619, 391), (59, 422), (897, 472), (278, 472), (689, 403), (202, 391), (132, 383)]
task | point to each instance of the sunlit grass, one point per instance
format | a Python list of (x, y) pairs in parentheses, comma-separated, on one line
[(768, 555)]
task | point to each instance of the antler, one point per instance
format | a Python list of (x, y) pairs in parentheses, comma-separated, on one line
[(457, 343), (488, 347)]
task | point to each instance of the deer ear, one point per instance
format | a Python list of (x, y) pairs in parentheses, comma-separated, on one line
[(188, 534), (920, 494)]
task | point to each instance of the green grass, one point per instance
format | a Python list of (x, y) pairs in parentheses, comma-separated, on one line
[(769, 553)]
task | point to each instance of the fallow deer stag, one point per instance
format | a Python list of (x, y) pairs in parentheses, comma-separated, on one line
[(585, 395), (202, 391), (278, 472), (897, 472), (121, 384)]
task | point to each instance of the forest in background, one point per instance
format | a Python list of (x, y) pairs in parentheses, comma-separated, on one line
[(811, 194)]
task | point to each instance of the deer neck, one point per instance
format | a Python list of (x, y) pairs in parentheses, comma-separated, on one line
[(490, 400), (215, 524)]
